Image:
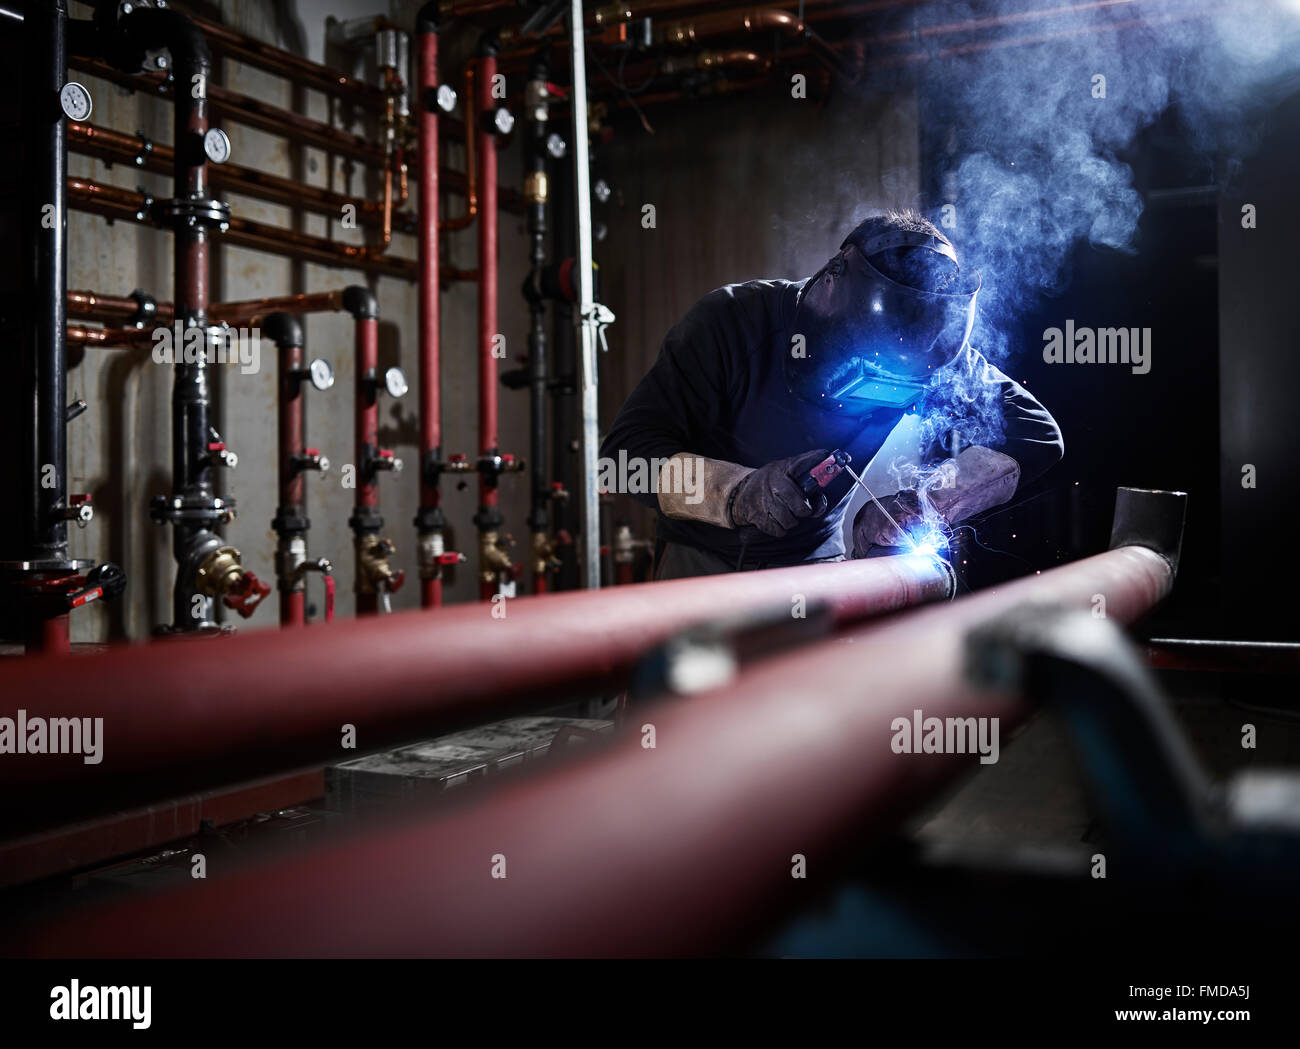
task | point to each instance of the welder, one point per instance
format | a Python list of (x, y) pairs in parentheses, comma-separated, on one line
[(759, 381)]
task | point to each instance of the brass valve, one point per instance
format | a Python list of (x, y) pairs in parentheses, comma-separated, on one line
[(223, 575), (544, 550), (219, 573), (494, 557), (374, 572)]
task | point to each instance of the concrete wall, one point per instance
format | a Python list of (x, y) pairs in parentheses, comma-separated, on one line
[(752, 186)]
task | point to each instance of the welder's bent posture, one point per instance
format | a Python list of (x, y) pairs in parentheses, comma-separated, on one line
[(760, 380)]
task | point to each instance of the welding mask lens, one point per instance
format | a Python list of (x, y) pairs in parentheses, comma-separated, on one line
[(870, 342)]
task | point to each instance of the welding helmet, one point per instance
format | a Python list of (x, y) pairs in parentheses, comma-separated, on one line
[(870, 342)]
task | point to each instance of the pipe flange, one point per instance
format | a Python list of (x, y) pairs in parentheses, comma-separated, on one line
[(185, 212), (205, 510)]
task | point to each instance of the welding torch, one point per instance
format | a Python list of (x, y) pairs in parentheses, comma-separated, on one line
[(829, 468)]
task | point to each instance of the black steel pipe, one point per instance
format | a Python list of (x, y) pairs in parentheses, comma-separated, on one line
[(536, 192)]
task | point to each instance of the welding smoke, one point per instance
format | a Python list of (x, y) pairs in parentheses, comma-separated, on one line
[(1037, 133)]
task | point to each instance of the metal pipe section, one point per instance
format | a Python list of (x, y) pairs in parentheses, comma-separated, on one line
[(795, 758), (496, 570), (537, 193), (231, 728), (430, 521), (586, 312), (375, 577), (291, 523), (207, 569), (34, 533)]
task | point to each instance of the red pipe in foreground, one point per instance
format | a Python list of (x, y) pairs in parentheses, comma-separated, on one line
[(637, 850), (268, 701)]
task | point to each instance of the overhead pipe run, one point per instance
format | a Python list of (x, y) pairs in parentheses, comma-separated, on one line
[(424, 672), (794, 757), (291, 523)]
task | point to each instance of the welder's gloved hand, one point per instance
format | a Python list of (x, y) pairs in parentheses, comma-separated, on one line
[(872, 528), (769, 498), (979, 478)]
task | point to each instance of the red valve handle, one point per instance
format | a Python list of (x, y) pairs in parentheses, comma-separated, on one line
[(385, 453), (246, 595), (311, 451), (507, 458), (450, 558), (395, 581), (216, 446), (80, 499)]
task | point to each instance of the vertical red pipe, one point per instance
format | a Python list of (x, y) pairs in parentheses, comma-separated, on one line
[(487, 288), (430, 364), (293, 608), (367, 430), (49, 636)]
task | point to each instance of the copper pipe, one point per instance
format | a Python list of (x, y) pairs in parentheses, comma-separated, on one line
[(295, 68), (126, 338), (689, 33), (116, 203), (451, 225), (248, 311), (117, 147), (249, 111), (92, 306)]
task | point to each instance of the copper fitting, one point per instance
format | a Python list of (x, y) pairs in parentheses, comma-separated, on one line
[(220, 573), (374, 572), (544, 547), (493, 557)]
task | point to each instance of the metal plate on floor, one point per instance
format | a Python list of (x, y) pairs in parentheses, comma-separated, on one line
[(452, 761)]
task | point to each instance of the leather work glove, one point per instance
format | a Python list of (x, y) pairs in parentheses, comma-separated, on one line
[(769, 498), (979, 478)]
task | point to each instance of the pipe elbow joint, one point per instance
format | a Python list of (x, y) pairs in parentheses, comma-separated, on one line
[(429, 18), (146, 28), (360, 301), (283, 329)]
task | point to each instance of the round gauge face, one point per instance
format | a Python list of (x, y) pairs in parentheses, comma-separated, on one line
[(216, 145), (76, 101), (446, 98), (556, 146), (322, 375), (395, 382), (504, 121)]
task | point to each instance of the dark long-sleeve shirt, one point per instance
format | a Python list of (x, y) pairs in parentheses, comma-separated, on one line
[(718, 390)]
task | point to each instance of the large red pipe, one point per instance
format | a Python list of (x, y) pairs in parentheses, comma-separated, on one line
[(489, 516), (429, 522), (682, 848), (264, 702)]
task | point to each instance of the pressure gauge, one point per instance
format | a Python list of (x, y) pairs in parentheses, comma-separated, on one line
[(216, 145), (556, 146), (76, 101), (446, 97), (395, 382), (503, 120), (322, 375)]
